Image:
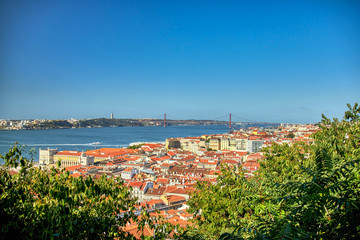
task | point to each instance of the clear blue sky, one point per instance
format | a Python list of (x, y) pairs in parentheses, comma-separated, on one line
[(276, 61)]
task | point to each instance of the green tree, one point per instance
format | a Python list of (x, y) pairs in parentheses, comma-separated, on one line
[(48, 204), (301, 191), (137, 146), (290, 135), (327, 205)]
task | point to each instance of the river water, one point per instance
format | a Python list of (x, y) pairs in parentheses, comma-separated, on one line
[(83, 138)]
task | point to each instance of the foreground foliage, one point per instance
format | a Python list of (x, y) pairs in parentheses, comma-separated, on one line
[(38, 204), (300, 192)]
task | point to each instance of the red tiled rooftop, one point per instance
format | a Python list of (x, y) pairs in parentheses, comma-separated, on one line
[(73, 168), (135, 184), (171, 154), (163, 180), (173, 198), (109, 152)]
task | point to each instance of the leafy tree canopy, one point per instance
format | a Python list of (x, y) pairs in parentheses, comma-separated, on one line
[(48, 204), (301, 191), (136, 146)]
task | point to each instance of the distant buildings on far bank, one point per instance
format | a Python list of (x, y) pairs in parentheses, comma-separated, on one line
[(96, 123)]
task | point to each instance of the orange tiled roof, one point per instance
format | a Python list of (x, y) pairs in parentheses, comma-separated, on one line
[(171, 153), (135, 184), (174, 198), (109, 152), (73, 168)]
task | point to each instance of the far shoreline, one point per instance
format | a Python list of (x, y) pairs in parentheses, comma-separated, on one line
[(60, 128)]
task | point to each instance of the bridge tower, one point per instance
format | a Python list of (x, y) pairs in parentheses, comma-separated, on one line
[(230, 121), (164, 119)]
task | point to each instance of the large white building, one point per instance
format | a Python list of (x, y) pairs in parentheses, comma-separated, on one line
[(66, 158), (139, 189), (254, 146), (128, 173)]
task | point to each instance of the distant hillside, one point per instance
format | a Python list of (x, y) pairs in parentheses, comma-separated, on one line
[(100, 122)]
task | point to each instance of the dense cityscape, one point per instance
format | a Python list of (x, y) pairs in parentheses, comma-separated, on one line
[(161, 176), (184, 186)]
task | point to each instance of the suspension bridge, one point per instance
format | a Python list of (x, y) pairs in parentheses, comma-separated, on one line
[(231, 120)]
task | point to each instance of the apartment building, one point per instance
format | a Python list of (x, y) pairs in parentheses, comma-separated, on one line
[(254, 146), (215, 143)]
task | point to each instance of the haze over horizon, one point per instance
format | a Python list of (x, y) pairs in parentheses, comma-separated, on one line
[(265, 61)]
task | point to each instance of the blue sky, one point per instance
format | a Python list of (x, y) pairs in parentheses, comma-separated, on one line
[(275, 61)]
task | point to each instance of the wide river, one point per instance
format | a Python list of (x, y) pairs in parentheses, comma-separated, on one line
[(83, 138)]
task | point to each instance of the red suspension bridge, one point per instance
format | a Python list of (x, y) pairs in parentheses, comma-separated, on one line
[(230, 123)]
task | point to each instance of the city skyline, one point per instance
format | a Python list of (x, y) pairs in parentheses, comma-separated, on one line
[(273, 62)]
